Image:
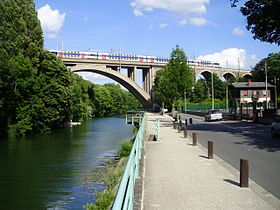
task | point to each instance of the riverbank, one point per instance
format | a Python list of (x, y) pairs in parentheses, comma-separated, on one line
[(113, 175)]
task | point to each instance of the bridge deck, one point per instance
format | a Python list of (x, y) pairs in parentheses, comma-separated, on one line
[(177, 176)]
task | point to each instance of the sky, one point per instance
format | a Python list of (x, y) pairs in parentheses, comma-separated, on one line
[(204, 29)]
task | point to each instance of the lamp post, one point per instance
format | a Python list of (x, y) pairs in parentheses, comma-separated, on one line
[(185, 103), (275, 91), (227, 97), (265, 68), (212, 84)]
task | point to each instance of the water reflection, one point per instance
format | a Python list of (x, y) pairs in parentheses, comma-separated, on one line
[(41, 172)]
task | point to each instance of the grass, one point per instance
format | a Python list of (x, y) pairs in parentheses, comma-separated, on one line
[(125, 148), (113, 174)]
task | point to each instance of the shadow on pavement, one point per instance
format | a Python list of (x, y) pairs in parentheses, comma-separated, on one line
[(249, 133), (232, 182)]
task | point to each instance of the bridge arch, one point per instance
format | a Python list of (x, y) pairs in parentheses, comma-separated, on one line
[(247, 76), (143, 97), (205, 73), (228, 75)]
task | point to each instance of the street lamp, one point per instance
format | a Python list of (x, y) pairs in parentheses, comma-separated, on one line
[(275, 91), (185, 101), (212, 84), (265, 68)]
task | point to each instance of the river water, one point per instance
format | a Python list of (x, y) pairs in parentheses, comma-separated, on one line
[(50, 171)]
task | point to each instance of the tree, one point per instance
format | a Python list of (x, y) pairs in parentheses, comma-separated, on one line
[(21, 45), (263, 19), (174, 80), (34, 84), (200, 91), (272, 63)]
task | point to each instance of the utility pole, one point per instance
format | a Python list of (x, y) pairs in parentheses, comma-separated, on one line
[(275, 91), (227, 97), (185, 103), (120, 59), (212, 81), (238, 68), (266, 92)]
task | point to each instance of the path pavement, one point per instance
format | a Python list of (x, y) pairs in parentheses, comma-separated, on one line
[(177, 175)]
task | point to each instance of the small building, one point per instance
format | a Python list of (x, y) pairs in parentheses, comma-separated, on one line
[(245, 93)]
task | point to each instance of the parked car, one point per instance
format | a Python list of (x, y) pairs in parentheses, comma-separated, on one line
[(213, 115), (275, 128)]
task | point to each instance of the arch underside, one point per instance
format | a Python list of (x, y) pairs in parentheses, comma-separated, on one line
[(137, 91), (207, 75)]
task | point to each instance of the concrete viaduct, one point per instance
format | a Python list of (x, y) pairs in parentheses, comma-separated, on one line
[(111, 69)]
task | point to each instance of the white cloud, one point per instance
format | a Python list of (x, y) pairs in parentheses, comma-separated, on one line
[(230, 57), (238, 31), (179, 7), (138, 12), (51, 20), (183, 22), (198, 21), (163, 25)]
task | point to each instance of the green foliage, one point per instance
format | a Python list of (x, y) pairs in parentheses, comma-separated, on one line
[(272, 63), (37, 91), (272, 66), (263, 19), (103, 200), (219, 87), (82, 95), (125, 149), (174, 79), (200, 90)]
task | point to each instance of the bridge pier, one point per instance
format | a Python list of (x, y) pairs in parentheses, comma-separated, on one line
[(131, 73)]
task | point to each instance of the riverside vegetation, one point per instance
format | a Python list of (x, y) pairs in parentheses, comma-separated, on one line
[(105, 198), (37, 92)]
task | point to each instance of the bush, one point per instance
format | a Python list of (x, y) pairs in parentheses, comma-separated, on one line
[(103, 200), (125, 149)]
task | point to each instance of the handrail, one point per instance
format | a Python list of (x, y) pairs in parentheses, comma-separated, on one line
[(125, 194)]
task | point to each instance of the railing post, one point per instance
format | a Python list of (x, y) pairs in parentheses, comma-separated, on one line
[(244, 173), (194, 137), (210, 150)]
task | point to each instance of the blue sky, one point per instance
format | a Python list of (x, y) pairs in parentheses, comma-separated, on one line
[(205, 29)]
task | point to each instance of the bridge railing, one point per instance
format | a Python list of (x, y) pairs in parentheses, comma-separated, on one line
[(125, 194), (205, 107)]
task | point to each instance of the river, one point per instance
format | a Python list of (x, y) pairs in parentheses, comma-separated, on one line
[(50, 171)]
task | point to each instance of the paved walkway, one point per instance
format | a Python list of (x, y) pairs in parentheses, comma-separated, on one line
[(177, 175)]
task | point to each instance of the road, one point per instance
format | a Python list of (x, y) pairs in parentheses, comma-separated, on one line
[(235, 140)]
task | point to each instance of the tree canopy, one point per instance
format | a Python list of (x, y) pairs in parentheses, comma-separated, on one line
[(263, 19), (37, 91), (175, 79)]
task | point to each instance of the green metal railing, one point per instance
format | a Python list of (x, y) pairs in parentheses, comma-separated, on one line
[(205, 107), (125, 195)]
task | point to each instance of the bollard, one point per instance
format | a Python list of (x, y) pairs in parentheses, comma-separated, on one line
[(194, 137), (186, 122), (190, 120), (210, 150), (180, 122), (179, 127), (174, 126), (244, 173), (185, 132)]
